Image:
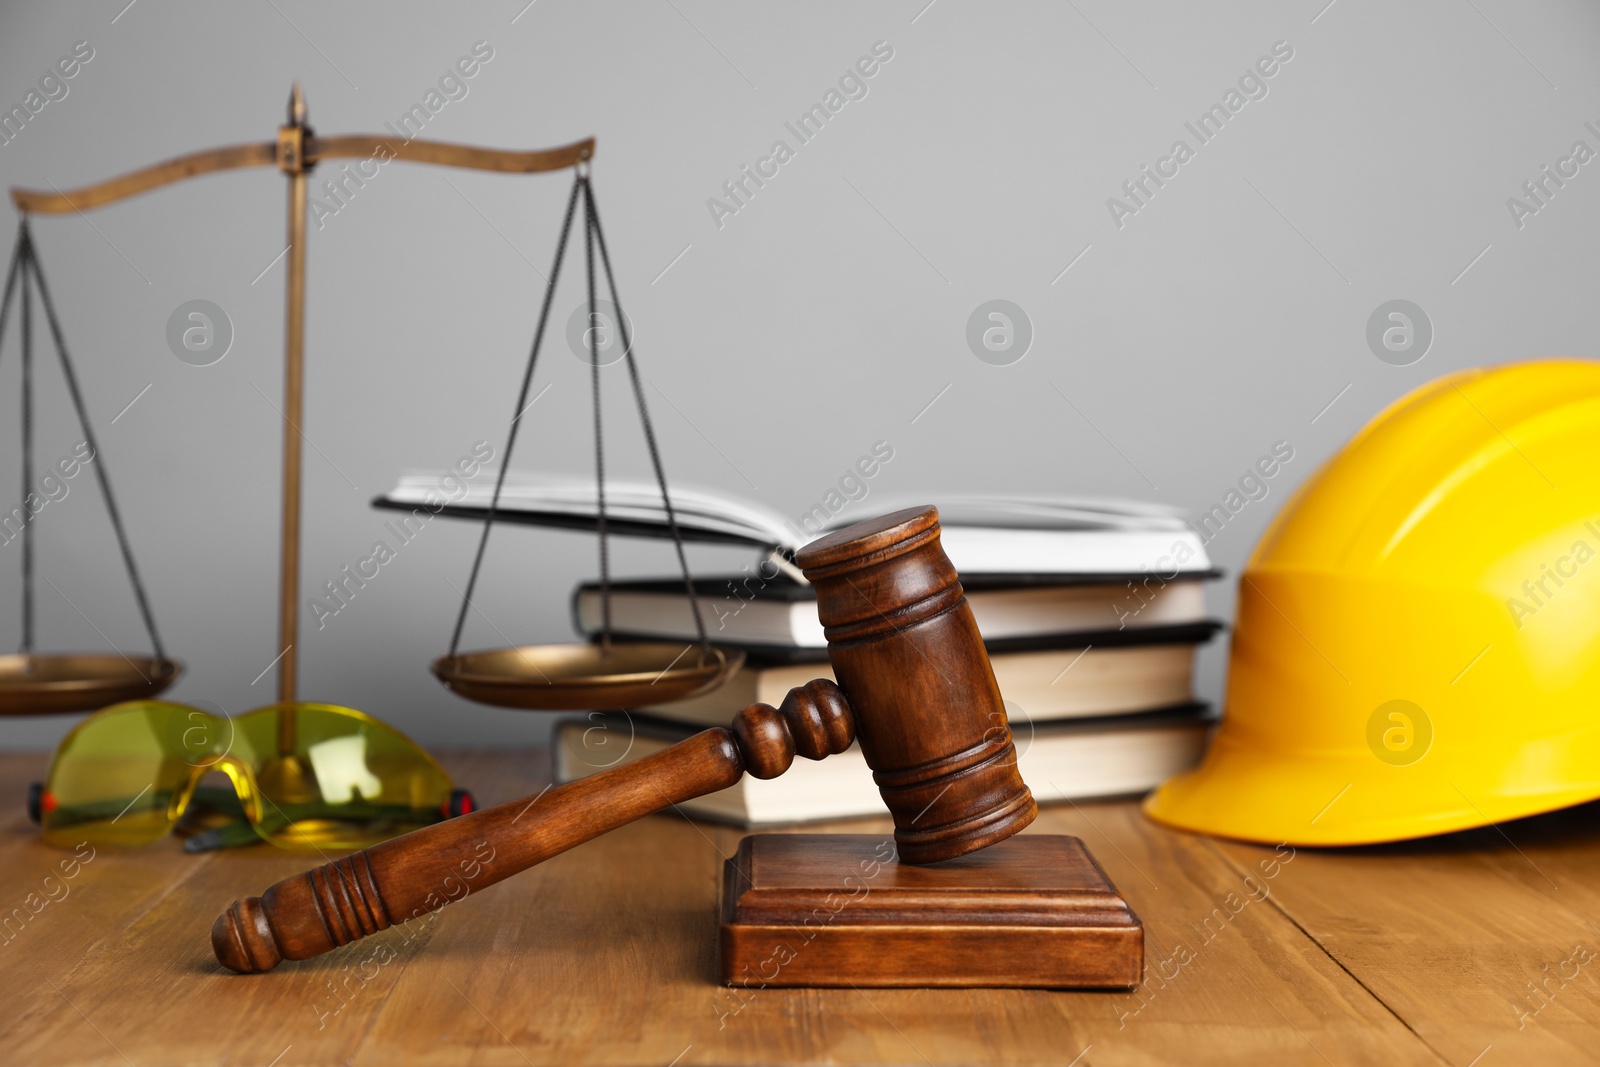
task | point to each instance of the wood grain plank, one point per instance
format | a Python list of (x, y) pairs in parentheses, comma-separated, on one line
[(50, 922), (134, 977), (607, 955), (1484, 942), (599, 954)]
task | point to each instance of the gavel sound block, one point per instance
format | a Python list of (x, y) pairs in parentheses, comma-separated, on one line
[(916, 689), (936, 906)]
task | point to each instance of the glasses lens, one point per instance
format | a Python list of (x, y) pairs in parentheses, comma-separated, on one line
[(123, 775), (331, 777)]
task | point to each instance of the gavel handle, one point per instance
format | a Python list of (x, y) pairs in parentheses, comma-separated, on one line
[(422, 871)]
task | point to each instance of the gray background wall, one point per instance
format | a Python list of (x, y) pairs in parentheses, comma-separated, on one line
[(1226, 315)]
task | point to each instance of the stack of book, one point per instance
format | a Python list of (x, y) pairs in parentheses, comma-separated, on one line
[(1092, 612)]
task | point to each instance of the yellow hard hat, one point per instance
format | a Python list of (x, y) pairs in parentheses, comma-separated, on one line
[(1417, 646)]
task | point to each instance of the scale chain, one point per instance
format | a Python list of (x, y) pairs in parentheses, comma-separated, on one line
[(591, 342), (516, 417), (27, 452), (594, 237), (644, 419), (13, 273), (36, 272)]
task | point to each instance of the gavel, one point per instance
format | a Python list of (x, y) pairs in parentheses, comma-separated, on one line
[(914, 687)]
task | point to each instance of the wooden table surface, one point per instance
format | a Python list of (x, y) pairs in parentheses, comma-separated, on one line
[(1478, 949)]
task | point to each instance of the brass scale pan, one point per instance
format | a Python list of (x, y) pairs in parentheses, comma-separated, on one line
[(578, 677), (63, 683)]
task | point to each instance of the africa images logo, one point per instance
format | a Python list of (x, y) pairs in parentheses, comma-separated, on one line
[(852, 85), (1252, 85)]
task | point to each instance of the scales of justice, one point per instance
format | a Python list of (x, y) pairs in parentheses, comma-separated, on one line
[(955, 901)]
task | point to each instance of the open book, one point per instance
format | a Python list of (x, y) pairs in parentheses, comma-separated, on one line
[(981, 534)]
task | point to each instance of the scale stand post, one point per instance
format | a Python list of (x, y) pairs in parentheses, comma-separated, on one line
[(285, 774)]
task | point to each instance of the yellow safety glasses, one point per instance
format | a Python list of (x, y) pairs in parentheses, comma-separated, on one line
[(306, 775)]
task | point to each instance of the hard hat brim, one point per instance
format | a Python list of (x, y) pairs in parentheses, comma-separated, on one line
[(1313, 799)]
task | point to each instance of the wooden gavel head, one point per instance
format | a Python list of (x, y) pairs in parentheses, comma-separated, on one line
[(928, 714), (914, 687)]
